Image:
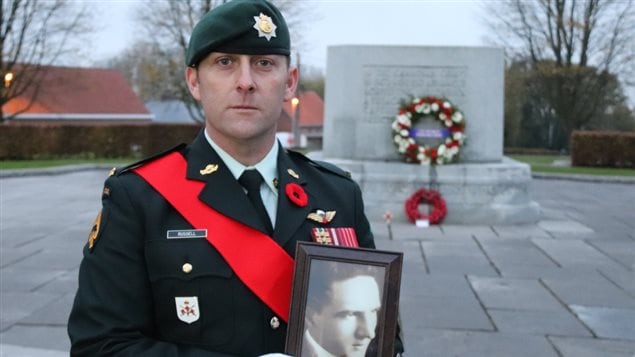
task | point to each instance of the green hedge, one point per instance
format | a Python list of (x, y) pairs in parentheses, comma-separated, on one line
[(603, 149), (25, 142)]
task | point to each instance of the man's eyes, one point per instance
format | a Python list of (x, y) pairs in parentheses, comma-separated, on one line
[(344, 314), (347, 314), (224, 61), (260, 62), (264, 62)]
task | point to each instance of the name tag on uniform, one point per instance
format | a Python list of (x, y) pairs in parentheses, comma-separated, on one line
[(187, 233)]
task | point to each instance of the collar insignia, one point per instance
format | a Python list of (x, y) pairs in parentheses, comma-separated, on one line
[(321, 216), (265, 26), (209, 169), (293, 174)]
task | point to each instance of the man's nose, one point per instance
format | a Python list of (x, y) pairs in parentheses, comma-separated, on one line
[(245, 81), (363, 331)]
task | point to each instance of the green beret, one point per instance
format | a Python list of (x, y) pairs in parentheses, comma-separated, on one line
[(252, 27)]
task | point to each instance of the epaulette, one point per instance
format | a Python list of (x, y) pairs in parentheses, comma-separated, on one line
[(323, 165), (147, 159)]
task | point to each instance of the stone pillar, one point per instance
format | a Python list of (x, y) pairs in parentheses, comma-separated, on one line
[(364, 86)]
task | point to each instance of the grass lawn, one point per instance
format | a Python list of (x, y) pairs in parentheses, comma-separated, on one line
[(538, 163), (544, 163), (31, 164)]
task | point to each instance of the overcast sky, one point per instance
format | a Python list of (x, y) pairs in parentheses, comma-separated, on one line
[(331, 22), (335, 22)]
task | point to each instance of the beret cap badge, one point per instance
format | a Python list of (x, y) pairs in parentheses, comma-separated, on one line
[(265, 26)]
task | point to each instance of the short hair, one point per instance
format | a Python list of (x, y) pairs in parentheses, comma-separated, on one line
[(324, 273)]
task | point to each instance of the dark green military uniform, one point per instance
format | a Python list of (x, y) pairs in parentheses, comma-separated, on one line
[(130, 278)]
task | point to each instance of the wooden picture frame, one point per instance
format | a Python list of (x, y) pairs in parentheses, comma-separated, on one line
[(335, 298)]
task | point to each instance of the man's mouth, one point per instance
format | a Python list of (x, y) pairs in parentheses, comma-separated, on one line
[(243, 107), (358, 346)]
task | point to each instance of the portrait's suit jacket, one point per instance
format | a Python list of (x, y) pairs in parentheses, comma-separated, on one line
[(129, 279)]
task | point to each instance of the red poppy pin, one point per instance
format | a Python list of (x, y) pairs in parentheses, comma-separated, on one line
[(296, 194)]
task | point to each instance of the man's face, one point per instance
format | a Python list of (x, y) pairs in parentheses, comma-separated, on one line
[(242, 95), (345, 326)]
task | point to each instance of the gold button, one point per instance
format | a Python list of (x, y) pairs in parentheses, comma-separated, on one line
[(187, 268), (275, 323)]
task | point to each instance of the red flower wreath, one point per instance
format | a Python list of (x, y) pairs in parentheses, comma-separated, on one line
[(432, 197), (296, 194)]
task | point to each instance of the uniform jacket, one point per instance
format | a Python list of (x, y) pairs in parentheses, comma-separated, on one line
[(129, 279)]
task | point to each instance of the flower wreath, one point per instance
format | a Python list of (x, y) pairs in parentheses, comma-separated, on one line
[(442, 110), (432, 197)]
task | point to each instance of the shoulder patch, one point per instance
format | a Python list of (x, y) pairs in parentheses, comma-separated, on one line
[(323, 165), (94, 232), (149, 159)]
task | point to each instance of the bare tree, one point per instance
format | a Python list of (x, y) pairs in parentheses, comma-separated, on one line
[(169, 25), (34, 34), (153, 73), (574, 47)]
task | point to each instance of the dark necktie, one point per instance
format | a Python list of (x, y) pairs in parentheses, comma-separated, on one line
[(251, 180)]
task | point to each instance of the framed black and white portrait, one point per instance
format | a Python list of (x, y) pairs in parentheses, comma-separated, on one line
[(344, 301)]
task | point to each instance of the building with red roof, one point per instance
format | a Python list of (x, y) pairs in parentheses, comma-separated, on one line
[(73, 95), (311, 117)]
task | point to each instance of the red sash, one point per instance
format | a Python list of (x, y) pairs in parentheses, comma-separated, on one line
[(246, 250)]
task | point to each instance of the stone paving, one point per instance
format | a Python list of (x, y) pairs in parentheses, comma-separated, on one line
[(562, 287)]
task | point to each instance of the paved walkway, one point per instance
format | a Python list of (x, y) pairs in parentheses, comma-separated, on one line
[(562, 287)]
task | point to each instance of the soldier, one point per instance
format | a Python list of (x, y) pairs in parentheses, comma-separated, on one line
[(192, 252)]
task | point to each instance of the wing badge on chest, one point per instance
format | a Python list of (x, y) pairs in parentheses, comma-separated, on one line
[(321, 216)]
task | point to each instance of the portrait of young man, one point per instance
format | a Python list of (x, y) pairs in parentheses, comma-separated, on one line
[(192, 252), (343, 307)]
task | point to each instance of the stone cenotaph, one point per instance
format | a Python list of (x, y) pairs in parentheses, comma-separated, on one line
[(364, 88)]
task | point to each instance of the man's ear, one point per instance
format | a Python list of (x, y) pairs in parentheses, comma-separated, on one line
[(292, 83), (309, 317), (191, 78)]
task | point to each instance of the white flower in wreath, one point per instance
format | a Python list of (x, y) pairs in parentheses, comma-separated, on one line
[(434, 107), (458, 136), (442, 116), (441, 150), (404, 119), (403, 145), (448, 122), (457, 117), (447, 105), (425, 108), (397, 139), (404, 133)]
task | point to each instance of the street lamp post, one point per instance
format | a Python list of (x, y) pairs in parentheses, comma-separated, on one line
[(4, 93), (295, 121), (8, 77)]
